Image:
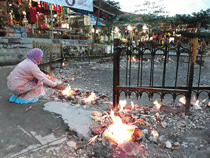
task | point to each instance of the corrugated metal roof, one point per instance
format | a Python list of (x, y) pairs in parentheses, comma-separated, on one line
[(106, 7)]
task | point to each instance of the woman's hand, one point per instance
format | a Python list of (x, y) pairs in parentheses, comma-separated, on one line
[(52, 78), (60, 87)]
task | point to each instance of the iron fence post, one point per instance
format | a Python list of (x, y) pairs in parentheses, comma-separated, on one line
[(191, 74), (116, 72), (61, 51), (51, 45), (165, 61)]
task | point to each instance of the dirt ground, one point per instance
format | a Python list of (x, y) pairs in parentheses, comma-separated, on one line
[(190, 133)]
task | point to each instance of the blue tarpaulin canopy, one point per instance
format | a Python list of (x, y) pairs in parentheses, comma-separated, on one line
[(93, 21)]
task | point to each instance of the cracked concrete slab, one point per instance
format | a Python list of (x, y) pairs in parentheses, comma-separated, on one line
[(77, 119)]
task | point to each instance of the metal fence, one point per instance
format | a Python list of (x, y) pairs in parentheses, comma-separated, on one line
[(84, 51), (139, 78), (53, 53)]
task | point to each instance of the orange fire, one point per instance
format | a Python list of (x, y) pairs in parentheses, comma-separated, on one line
[(196, 103), (122, 104), (118, 132), (63, 64), (157, 105), (133, 59), (68, 91), (132, 105), (91, 98), (183, 100), (154, 133)]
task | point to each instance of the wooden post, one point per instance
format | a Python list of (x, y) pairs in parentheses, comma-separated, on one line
[(61, 50), (95, 27), (116, 72), (52, 36), (191, 74), (51, 45), (89, 52), (111, 49), (111, 55)]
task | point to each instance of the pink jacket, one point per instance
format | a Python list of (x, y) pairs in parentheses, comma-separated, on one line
[(25, 71)]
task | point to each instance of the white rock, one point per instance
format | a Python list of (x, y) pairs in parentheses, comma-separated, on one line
[(177, 143), (77, 106), (153, 139), (72, 144), (164, 124), (145, 131), (168, 144), (93, 68), (56, 99), (162, 138)]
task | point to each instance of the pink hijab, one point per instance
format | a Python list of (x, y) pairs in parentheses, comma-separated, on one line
[(35, 54)]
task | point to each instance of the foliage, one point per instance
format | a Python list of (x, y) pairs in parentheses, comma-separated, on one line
[(193, 35), (196, 20), (151, 7), (106, 31), (200, 19), (113, 4), (124, 19)]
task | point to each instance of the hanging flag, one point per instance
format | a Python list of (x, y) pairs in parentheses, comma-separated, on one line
[(76, 4)]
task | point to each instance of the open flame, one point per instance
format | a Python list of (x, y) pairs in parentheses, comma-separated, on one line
[(132, 105), (182, 100), (122, 104), (196, 103), (68, 91), (157, 105), (133, 59), (118, 132), (63, 64), (154, 133), (91, 98)]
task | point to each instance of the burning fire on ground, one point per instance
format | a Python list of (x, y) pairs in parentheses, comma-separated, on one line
[(91, 98), (157, 105), (118, 131), (121, 128), (77, 95), (183, 100), (133, 59), (68, 91), (194, 102)]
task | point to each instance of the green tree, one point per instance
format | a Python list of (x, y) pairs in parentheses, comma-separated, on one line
[(151, 7), (113, 4), (196, 20), (199, 19)]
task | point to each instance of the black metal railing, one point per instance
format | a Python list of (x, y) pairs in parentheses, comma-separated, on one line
[(142, 77)]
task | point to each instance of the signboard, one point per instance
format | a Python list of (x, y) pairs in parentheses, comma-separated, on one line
[(77, 4), (87, 20), (93, 21)]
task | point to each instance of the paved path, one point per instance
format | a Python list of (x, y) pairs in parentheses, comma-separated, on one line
[(22, 131)]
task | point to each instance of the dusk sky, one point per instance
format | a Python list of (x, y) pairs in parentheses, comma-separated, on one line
[(172, 6)]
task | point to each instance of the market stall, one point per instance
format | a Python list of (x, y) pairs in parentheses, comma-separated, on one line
[(45, 19)]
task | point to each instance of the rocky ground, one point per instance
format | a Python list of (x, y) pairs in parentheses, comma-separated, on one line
[(179, 135)]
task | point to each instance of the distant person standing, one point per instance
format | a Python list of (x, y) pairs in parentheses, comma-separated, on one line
[(33, 12)]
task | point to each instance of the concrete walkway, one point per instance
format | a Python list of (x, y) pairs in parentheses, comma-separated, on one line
[(37, 128)]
